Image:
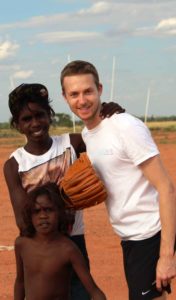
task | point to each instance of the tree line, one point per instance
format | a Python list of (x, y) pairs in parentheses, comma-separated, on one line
[(59, 120), (65, 120)]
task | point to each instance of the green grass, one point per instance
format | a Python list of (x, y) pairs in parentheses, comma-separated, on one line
[(164, 125)]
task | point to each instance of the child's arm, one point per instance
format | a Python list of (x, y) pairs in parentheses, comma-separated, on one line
[(17, 194), (19, 292), (77, 143), (79, 265)]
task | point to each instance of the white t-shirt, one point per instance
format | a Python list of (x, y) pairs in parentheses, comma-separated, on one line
[(35, 170), (116, 147)]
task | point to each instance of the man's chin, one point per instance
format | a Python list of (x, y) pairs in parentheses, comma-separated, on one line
[(85, 119), (83, 116)]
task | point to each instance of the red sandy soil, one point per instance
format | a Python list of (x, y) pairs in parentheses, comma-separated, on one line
[(103, 245)]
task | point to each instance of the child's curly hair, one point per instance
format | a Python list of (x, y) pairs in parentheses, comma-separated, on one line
[(53, 192), (25, 93)]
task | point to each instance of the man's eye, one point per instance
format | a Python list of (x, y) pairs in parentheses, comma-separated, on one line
[(88, 92), (73, 95)]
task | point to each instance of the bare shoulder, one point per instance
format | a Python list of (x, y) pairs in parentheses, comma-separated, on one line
[(68, 244), (19, 242), (72, 254), (10, 164), (25, 245), (77, 143), (11, 175), (73, 251)]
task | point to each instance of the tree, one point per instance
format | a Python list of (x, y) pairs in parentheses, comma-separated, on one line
[(62, 119)]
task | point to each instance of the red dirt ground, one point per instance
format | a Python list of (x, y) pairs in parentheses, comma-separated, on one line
[(103, 245)]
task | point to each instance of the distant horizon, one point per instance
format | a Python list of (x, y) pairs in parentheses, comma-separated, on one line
[(138, 116)]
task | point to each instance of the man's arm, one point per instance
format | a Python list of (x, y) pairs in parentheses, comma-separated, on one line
[(79, 265), (19, 291), (155, 172), (17, 194)]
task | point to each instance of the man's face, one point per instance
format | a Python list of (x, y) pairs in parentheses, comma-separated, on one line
[(83, 97)]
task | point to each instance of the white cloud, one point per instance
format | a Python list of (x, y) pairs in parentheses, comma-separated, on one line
[(97, 8), (125, 16), (38, 21), (23, 74), (7, 49), (66, 36), (167, 26)]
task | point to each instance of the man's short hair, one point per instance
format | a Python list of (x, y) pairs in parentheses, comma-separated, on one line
[(79, 67)]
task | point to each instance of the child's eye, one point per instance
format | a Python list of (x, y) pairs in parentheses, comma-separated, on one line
[(35, 211), (27, 119), (40, 115), (49, 209)]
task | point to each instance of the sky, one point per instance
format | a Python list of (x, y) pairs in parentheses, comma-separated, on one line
[(131, 43)]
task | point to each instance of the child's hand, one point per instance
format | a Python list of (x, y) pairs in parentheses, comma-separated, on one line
[(99, 295), (108, 109)]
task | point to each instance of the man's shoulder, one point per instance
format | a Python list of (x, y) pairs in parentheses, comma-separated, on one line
[(123, 117), (126, 121)]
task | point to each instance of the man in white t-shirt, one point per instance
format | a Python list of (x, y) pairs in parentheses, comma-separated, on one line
[(141, 197)]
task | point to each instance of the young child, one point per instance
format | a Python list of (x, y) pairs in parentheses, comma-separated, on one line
[(44, 255)]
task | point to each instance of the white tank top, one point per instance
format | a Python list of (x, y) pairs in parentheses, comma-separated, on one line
[(36, 170)]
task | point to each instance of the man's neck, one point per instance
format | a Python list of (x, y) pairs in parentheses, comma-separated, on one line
[(94, 122), (95, 119)]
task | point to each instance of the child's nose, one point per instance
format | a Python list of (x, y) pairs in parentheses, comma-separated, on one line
[(35, 122), (43, 214)]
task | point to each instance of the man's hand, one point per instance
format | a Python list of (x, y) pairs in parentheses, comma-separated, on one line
[(165, 271)]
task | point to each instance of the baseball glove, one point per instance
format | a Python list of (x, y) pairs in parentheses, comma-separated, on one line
[(81, 187)]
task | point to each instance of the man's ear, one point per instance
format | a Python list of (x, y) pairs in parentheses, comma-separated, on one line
[(100, 89), (64, 96)]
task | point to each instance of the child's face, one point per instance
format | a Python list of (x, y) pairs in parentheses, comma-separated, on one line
[(45, 215), (34, 122)]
